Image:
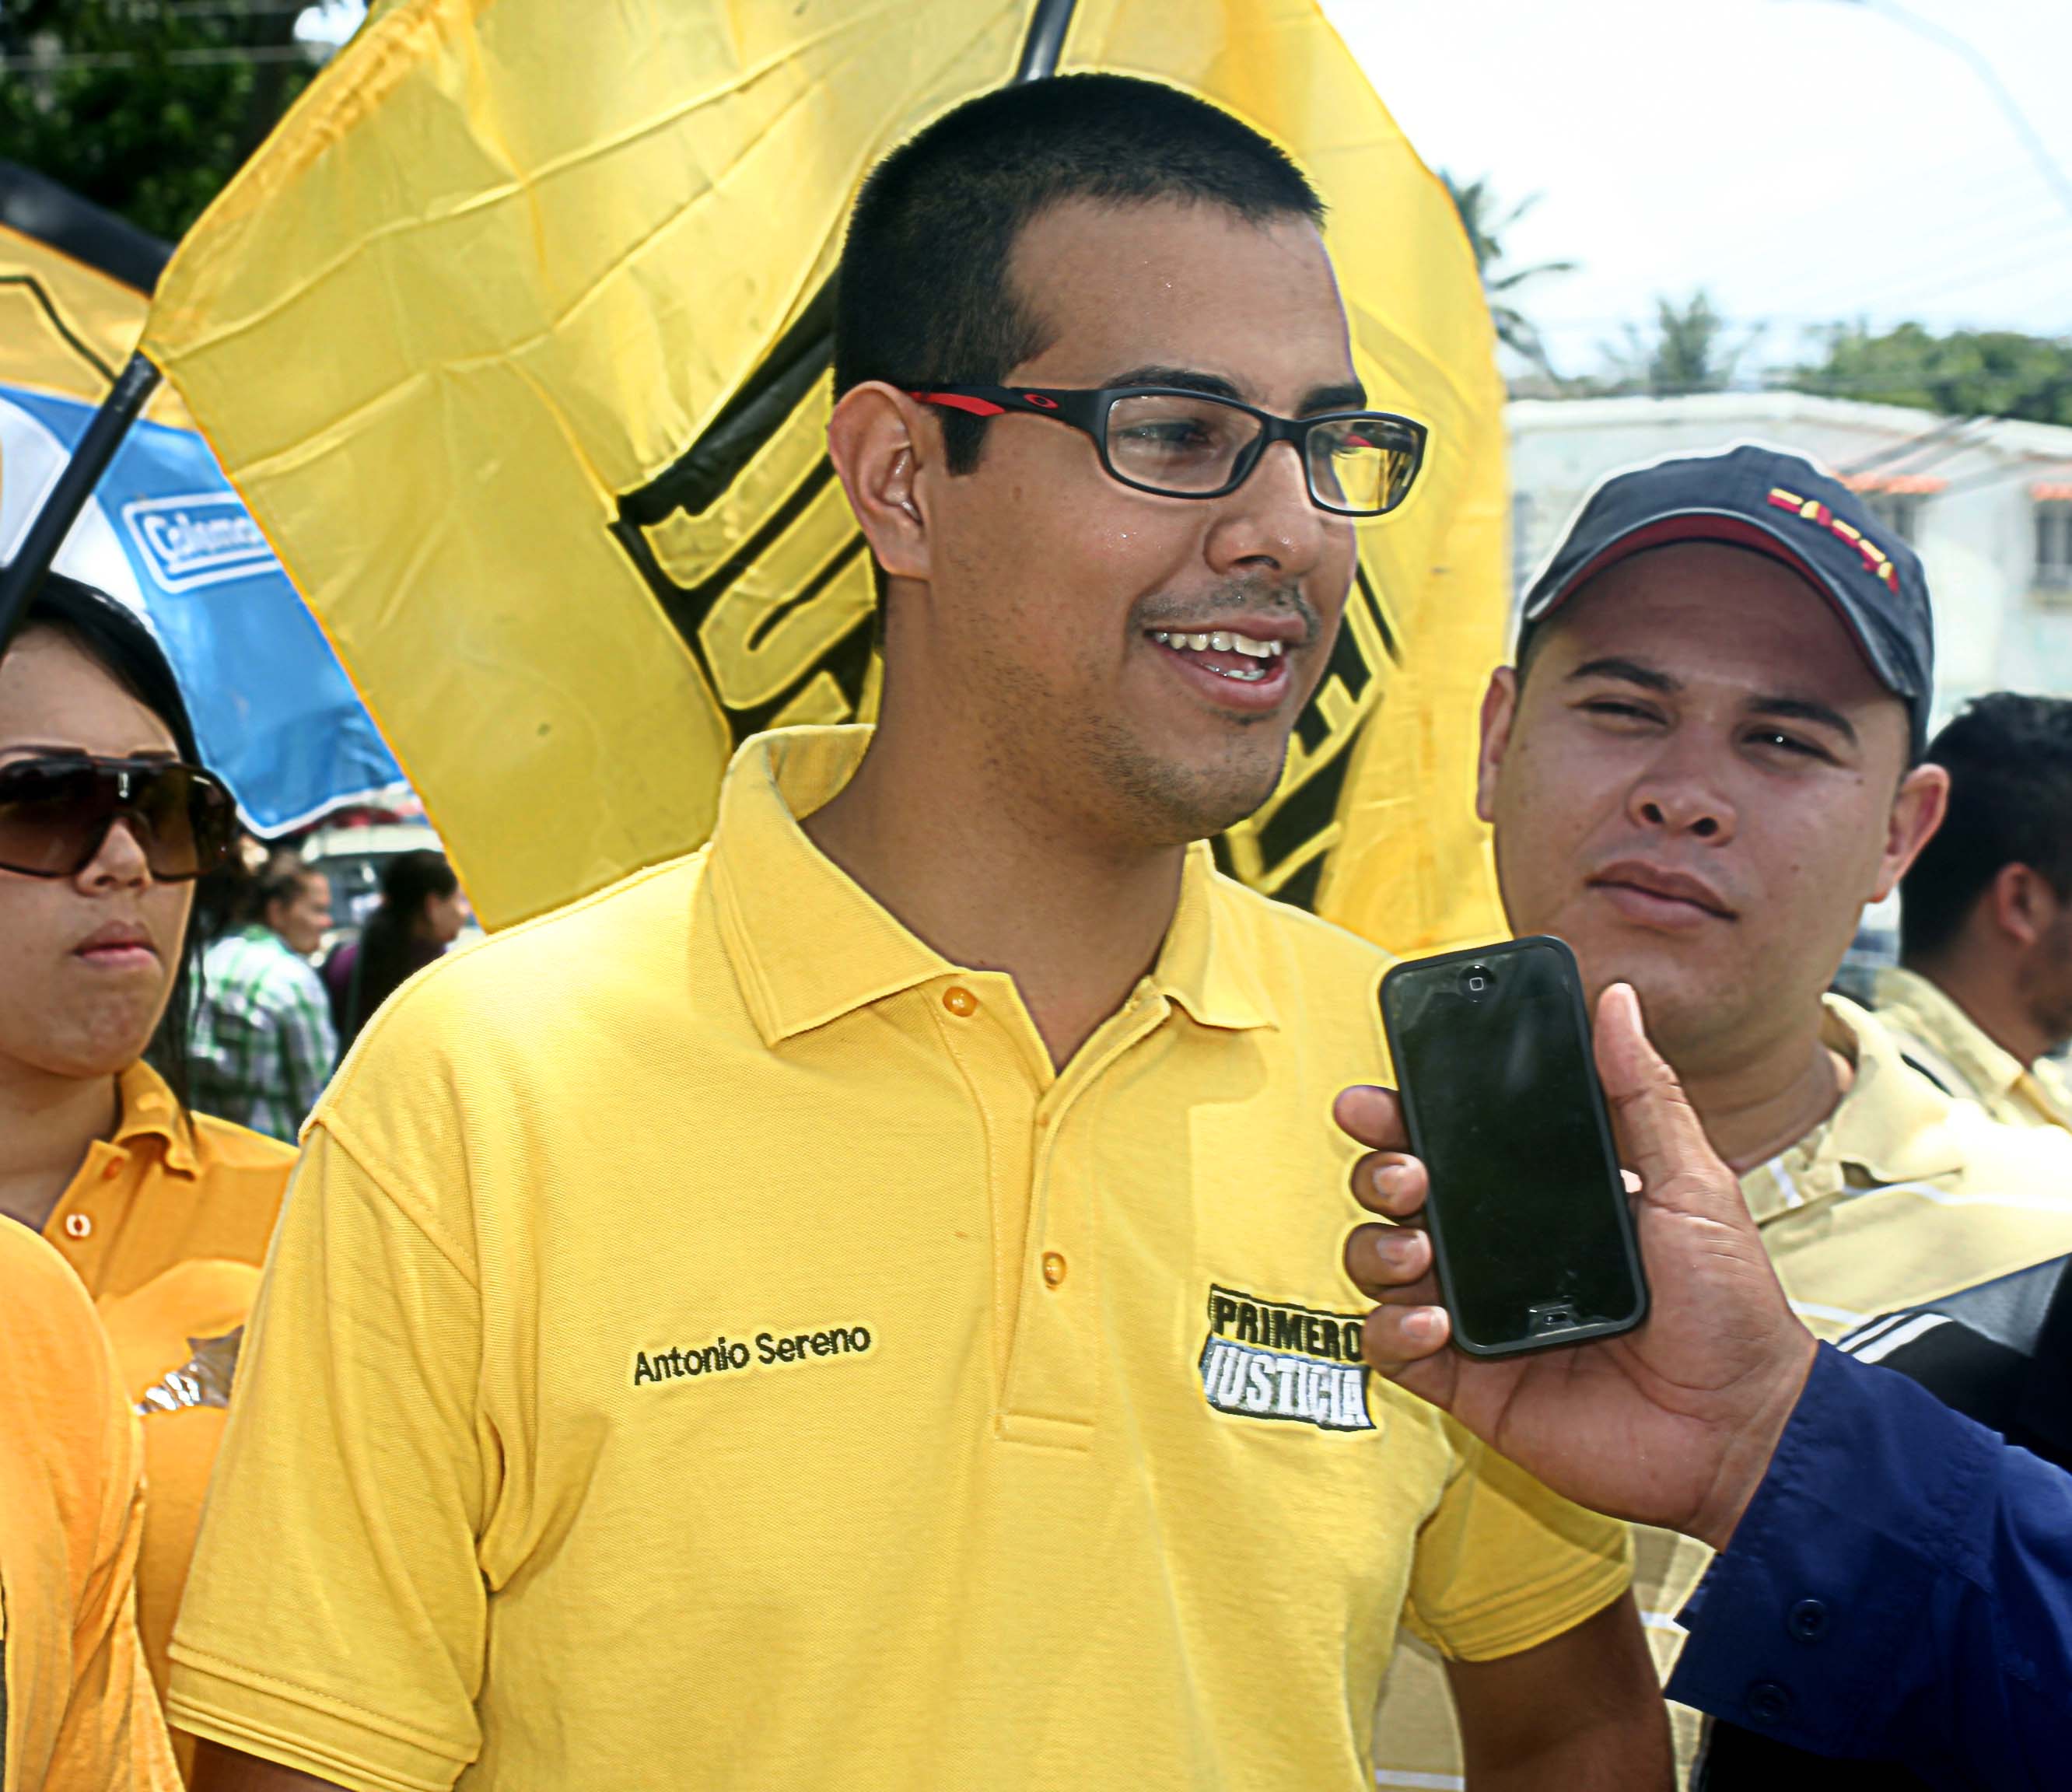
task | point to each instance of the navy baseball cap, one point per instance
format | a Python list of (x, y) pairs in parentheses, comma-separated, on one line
[(1776, 504)]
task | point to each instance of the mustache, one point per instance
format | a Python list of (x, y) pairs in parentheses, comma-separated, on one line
[(1249, 597)]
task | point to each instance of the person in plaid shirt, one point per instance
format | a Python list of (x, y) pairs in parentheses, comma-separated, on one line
[(263, 1043)]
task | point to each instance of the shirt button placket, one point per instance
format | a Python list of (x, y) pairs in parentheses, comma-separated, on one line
[(1769, 1703), (1808, 1619)]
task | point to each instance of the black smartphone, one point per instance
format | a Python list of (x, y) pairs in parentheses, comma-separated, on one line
[(1531, 1234)]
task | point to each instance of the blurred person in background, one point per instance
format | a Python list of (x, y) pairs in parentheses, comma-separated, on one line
[(264, 1042), (79, 1714), (421, 914), (106, 819), (1983, 993)]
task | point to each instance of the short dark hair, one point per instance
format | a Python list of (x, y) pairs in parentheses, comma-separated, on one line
[(2009, 758), (923, 296), (117, 640), (283, 878)]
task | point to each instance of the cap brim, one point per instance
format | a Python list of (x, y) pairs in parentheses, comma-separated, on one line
[(1737, 531)]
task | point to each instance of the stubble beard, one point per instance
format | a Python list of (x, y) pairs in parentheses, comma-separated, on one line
[(1163, 802)]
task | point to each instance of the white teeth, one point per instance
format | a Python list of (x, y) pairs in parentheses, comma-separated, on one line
[(1221, 643), (1244, 675)]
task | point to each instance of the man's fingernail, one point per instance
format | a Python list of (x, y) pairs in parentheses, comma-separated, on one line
[(1395, 1246), (1422, 1326)]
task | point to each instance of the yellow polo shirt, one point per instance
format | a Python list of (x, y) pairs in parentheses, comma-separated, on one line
[(78, 1714), (706, 1340), (1900, 1195), (167, 1224), (1961, 1055)]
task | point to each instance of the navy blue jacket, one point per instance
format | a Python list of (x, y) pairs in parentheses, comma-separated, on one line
[(1900, 1586)]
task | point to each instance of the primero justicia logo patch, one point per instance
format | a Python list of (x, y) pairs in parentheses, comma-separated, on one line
[(1268, 1359)]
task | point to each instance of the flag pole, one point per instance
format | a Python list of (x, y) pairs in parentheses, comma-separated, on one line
[(21, 578), (1045, 41)]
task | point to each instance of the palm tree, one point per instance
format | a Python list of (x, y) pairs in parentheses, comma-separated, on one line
[(1486, 220), (1689, 352)]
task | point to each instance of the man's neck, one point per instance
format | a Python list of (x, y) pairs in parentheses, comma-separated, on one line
[(1987, 991), (47, 1124), (993, 880), (1754, 1105)]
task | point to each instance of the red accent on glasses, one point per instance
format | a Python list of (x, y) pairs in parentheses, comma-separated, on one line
[(958, 401), (1039, 401)]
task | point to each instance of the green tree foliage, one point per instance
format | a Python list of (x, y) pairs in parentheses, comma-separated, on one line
[(1486, 220), (145, 107), (1687, 351), (1966, 373)]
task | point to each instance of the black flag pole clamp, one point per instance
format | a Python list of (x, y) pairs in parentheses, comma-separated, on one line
[(22, 577)]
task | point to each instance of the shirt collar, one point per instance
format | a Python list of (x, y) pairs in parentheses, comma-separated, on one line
[(1889, 1124), (1203, 965), (808, 944), (1921, 1005), (148, 1111)]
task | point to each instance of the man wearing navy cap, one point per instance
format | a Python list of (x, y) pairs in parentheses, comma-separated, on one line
[(1705, 761)]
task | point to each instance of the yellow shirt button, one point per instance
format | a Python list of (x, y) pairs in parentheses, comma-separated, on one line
[(78, 1226), (1054, 1268), (959, 1001)]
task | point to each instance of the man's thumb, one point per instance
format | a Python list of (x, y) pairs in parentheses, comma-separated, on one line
[(1659, 1133)]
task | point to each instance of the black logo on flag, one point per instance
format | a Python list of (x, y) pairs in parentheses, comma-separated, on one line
[(748, 545)]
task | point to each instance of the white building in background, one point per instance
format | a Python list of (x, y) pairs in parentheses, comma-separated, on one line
[(1986, 502)]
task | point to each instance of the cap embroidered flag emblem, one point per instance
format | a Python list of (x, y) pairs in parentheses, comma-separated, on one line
[(1875, 557)]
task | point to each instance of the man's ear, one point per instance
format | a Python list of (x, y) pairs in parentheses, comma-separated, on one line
[(1916, 812), (2021, 902), (876, 440), (1499, 710)]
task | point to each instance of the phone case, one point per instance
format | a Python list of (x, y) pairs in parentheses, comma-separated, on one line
[(1392, 985)]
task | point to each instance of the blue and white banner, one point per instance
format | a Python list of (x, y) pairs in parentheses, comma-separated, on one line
[(165, 532)]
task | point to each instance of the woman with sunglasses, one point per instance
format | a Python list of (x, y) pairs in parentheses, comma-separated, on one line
[(106, 818)]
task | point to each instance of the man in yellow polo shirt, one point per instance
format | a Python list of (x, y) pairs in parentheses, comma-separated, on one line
[(1706, 760), (78, 1714), (1983, 991), (862, 1306)]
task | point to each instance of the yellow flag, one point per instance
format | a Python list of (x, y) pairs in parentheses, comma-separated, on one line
[(66, 328), (514, 338)]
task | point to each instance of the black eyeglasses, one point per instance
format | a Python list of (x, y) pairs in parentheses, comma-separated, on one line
[(1182, 443), (55, 812)]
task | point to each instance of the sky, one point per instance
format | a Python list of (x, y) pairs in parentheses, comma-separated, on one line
[(1805, 162)]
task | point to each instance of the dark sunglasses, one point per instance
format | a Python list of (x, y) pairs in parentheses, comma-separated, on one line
[(1182, 444), (55, 813)]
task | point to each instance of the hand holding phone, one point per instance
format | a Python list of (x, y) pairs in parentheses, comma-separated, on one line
[(1672, 1423), (1532, 1233)]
